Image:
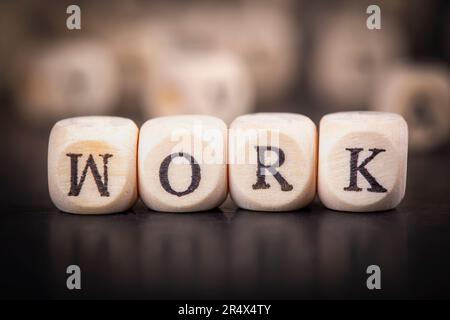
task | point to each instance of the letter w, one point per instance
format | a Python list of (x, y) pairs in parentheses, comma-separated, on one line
[(75, 186)]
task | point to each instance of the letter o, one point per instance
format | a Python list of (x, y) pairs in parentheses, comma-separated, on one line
[(164, 174)]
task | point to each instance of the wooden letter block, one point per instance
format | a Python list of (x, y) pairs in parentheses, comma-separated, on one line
[(210, 83), (182, 163), (92, 164), (66, 80), (362, 161), (348, 59), (420, 94), (272, 161)]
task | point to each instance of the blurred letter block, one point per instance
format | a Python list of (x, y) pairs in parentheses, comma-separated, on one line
[(348, 59), (422, 96), (182, 163), (92, 164), (71, 79), (272, 161), (362, 161), (212, 83), (264, 36)]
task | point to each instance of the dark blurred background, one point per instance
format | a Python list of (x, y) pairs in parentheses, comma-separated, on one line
[(141, 59)]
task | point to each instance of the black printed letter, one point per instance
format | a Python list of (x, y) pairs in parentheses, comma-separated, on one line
[(164, 174), (75, 186), (260, 174), (354, 168)]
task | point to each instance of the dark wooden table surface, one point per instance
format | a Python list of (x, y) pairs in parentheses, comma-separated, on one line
[(228, 253)]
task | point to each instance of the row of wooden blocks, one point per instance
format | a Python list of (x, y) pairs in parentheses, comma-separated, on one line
[(266, 161)]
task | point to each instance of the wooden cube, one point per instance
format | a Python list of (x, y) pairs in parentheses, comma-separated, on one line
[(271, 50), (147, 39), (272, 161), (65, 80), (212, 83), (182, 163), (421, 94), (348, 59), (362, 161), (92, 164)]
